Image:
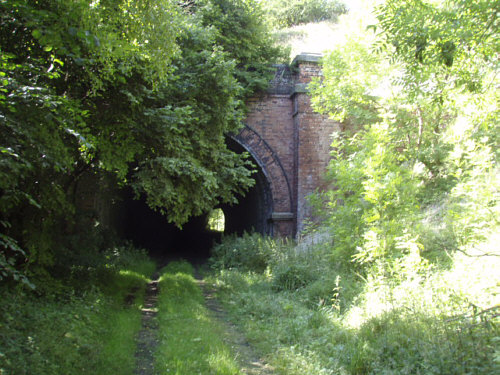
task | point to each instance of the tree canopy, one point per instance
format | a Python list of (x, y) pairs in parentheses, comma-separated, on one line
[(144, 91), (417, 92), (287, 13)]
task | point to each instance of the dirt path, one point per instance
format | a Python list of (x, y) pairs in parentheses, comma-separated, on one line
[(146, 339), (249, 361)]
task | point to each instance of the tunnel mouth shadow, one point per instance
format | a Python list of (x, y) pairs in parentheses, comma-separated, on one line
[(253, 211), (164, 241), (150, 230)]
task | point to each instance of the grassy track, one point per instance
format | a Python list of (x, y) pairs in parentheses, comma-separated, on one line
[(190, 339), (124, 321), (80, 331)]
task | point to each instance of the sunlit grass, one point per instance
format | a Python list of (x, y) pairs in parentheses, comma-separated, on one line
[(89, 332), (123, 320), (321, 37), (134, 275), (190, 339), (440, 320), (119, 347), (472, 282)]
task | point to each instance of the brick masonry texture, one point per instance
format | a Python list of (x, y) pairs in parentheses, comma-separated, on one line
[(290, 142)]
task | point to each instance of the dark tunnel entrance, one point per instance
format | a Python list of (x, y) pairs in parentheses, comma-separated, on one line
[(253, 210), (151, 230)]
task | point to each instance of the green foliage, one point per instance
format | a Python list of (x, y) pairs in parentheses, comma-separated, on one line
[(292, 276), (189, 120), (250, 252), (457, 36), (8, 259), (339, 322), (241, 30), (47, 143), (374, 204), (352, 100), (77, 332), (139, 92), (421, 137), (474, 208), (289, 13)]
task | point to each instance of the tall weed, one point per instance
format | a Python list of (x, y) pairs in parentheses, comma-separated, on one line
[(250, 252), (436, 320), (84, 330)]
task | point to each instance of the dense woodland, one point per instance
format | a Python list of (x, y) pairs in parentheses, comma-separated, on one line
[(398, 271), (144, 91)]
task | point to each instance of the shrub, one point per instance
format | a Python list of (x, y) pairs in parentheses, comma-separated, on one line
[(251, 252), (286, 13), (292, 276)]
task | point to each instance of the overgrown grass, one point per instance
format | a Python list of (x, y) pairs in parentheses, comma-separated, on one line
[(190, 340), (84, 330), (310, 313)]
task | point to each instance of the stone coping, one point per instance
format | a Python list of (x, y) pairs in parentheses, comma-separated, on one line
[(307, 57), (282, 216), (300, 88)]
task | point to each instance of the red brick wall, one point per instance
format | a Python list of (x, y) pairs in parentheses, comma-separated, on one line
[(313, 142), (293, 142), (313, 154), (271, 117)]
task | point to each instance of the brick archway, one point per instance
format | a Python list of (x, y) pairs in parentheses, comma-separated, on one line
[(290, 142), (280, 216)]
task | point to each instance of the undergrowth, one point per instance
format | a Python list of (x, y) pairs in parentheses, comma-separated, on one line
[(87, 328), (309, 312)]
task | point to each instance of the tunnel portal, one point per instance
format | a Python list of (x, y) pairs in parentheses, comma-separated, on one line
[(151, 230), (289, 143)]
